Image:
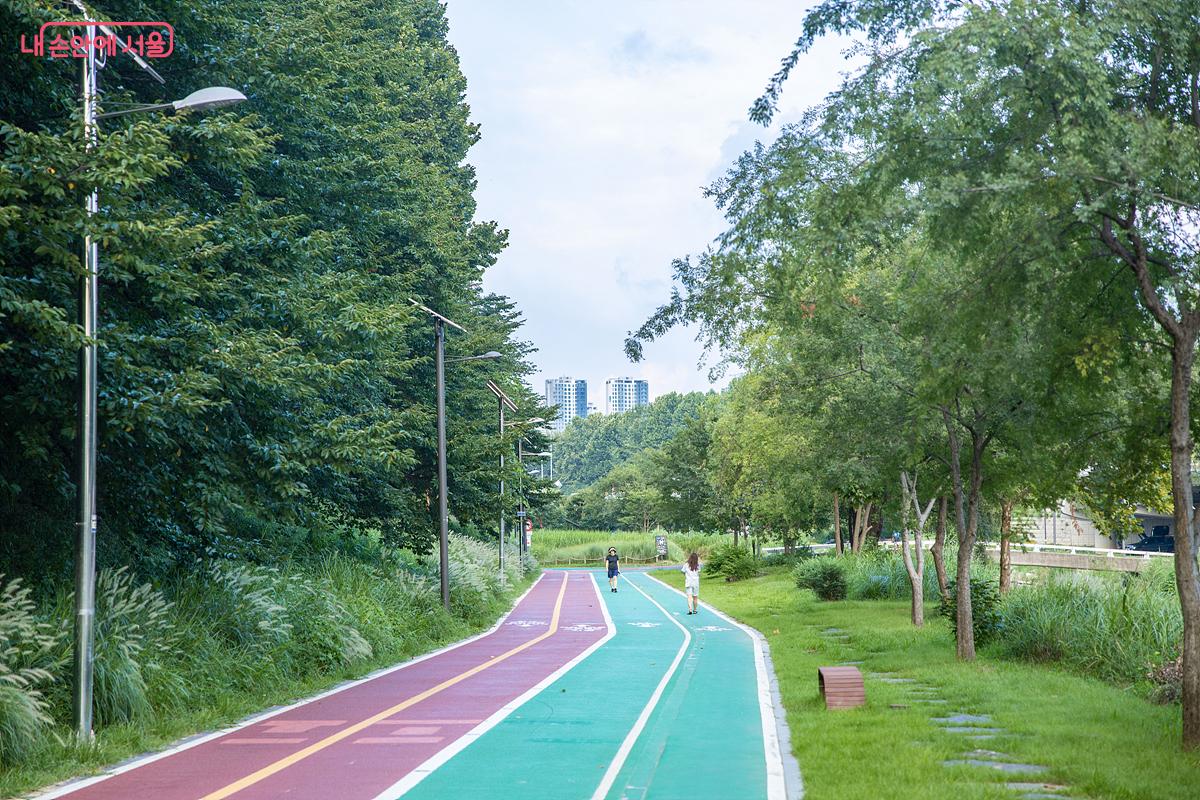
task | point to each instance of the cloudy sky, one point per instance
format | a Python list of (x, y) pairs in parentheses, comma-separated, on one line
[(601, 123)]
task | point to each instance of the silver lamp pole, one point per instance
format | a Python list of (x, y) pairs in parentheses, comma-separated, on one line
[(502, 401), (439, 330), (85, 537), (83, 656), (443, 512)]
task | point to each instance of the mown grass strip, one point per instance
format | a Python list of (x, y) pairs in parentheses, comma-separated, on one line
[(1102, 741)]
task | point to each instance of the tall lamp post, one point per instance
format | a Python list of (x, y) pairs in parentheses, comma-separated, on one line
[(521, 458), (439, 335), (89, 312), (502, 401)]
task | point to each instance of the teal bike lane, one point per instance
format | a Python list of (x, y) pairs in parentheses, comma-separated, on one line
[(671, 706), (713, 735)]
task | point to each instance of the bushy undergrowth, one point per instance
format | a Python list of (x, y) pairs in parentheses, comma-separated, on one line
[(1120, 627), (231, 627), (732, 562), (802, 552), (986, 620), (825, 577), (879, 574)]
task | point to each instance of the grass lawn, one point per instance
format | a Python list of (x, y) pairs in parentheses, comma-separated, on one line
[(1095, 738), (555, 547)]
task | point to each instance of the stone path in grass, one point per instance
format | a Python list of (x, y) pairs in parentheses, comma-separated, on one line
[(977, 729)]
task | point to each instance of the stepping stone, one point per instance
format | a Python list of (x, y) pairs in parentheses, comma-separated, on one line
[(982, 737), (1003, 766), (832, 630), (897, 680), (992, 754), (969, 729), (1018, 786), (1042, 796), (848, 663), (963, 719), (931, 701)]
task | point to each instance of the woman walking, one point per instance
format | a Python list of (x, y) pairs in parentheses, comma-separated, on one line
[(691, 582), (614, 568)]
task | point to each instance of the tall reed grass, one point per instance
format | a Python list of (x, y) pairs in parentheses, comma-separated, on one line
[(1114, 626), (230, 628)]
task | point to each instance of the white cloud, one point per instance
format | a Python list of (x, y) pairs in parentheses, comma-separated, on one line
[(601, 123)]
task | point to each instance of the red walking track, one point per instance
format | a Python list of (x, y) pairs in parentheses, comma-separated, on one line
[(367, 762)]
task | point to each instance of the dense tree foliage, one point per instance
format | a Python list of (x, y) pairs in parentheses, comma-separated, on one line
[(985, 245), (591, 446), (259, 360)]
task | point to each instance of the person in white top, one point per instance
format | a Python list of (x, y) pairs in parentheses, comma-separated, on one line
[(691, 582)]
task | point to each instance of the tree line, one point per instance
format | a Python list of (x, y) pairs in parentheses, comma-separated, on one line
[(262, 373), (973, 272)]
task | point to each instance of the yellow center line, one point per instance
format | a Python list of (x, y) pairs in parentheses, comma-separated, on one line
[(332, 739)]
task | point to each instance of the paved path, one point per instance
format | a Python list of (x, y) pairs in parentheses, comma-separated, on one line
[(578, 693)]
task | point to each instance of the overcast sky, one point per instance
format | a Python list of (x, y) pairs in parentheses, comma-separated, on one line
[(601, 123)]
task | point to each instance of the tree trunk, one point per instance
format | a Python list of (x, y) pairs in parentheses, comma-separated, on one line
[(862, 522), (939, 544), (965, 509), (837, 526), (1187, 533), (1006, 508), (914, 561)]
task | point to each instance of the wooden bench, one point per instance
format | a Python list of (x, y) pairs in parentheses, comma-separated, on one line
[(842, 687)]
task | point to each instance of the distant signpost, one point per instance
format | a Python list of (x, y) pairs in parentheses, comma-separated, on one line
[(660, 544)]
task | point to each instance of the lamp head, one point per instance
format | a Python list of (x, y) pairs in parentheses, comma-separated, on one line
[(212, 97)]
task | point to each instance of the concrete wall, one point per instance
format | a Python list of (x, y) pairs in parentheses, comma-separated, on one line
[(1065, 525)]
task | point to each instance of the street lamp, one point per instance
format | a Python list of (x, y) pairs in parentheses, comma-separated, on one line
[(502, 401), (89, 311), (521, 488), (439, 334)]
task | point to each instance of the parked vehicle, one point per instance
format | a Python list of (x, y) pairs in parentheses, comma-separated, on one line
[(1154, 544)]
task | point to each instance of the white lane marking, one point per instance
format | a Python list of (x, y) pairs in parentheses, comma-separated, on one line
[(423, 770), (610, 776), (776, 785), (645, 624), (83, 783), (713, 628)]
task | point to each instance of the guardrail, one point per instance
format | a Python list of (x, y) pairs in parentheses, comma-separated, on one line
[(1108, 552), (1024, 547)]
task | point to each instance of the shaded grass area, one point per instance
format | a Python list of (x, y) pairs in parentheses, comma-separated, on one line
[(554, 546), (1099, 740), (400, 619)]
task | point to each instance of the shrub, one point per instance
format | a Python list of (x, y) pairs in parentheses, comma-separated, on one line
[(732, 562), (802, 552), (985, 609), (826, 577), (27, 662)]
